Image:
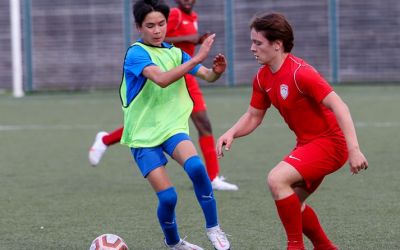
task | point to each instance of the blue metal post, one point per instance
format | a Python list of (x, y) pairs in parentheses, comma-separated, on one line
[(127, 23), (334, 46), (230, 42), (27, 26)]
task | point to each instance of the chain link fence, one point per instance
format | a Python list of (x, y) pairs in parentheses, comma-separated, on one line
[(79, 44)]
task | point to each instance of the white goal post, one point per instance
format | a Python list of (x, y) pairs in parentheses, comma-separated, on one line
[(15, 12)]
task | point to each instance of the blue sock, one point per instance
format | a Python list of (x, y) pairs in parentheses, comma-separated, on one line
[(203, 189), (166, 215)]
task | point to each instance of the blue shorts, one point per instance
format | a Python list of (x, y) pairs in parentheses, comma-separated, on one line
[(148, 159)]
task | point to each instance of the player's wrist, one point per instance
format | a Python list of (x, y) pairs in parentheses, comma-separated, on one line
[(216, 74), (353, 148)]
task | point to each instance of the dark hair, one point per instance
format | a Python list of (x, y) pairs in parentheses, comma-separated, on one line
[(143, 7), (274, 26)]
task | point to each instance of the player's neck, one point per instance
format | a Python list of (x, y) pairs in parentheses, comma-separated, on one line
[(277, 62), (186, 11)]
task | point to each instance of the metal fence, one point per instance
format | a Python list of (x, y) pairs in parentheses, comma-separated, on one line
[(80, 44)]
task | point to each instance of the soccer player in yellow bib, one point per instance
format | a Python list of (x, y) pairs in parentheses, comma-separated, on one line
[(157, 107), (182, 31)]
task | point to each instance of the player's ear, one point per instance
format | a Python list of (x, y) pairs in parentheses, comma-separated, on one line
[(278, 44)]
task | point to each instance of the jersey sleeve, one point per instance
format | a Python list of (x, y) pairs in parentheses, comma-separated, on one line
[(136, 60), (173, 21), (312, 84), (185, 58), (259, 98)]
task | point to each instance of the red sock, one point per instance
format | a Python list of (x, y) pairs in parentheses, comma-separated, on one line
[(313, 230), (289, 210), (113, 137), (207, 146)]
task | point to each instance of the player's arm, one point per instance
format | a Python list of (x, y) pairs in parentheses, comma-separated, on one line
[(357, 160), (195, 38), (244, 126), (164, 79), (211, 75)]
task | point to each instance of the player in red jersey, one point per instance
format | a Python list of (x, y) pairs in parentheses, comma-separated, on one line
[(325, 132), (182, 31)]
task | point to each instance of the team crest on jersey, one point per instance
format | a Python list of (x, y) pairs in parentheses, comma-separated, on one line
[(284, 91)]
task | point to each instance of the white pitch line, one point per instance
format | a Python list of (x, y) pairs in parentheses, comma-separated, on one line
[(224, 126), (46, 127), (378, 124), (357, 124)]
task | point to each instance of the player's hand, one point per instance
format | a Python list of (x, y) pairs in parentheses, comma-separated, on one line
[(219, 64), (203, 37), (357, 161), (225, 141), (205, 48)]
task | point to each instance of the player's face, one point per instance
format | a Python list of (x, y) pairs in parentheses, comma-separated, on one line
[(185, 5), (153, 29), (264, 51)]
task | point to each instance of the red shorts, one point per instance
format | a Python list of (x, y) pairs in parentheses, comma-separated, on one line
[(194, 91), (317, 159)]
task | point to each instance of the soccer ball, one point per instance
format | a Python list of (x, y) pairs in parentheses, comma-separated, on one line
[(108, 242)]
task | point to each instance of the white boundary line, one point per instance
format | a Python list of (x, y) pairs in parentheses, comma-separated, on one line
[(357, 124), (93, 126), (46, 127)]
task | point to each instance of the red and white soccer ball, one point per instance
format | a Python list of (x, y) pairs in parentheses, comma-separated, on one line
[(108, 242)]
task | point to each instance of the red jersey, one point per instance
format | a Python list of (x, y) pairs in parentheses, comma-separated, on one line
[(182, 24), (296, 90)]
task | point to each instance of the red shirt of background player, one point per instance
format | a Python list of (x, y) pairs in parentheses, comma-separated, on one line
[(182, 24)]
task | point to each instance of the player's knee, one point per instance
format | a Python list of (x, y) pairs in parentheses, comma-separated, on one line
[(194, 167), (206, 126), (274, 181), (202, 123), (168, 197)]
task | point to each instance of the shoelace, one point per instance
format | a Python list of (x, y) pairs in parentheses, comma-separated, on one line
[(183, 242)]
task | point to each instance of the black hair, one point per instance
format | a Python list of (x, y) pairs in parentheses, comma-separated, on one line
[(143, 7)]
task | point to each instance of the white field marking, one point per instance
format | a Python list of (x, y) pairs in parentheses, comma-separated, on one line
[(223, 126), (357, 124), (378, 124), (47, 127)]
